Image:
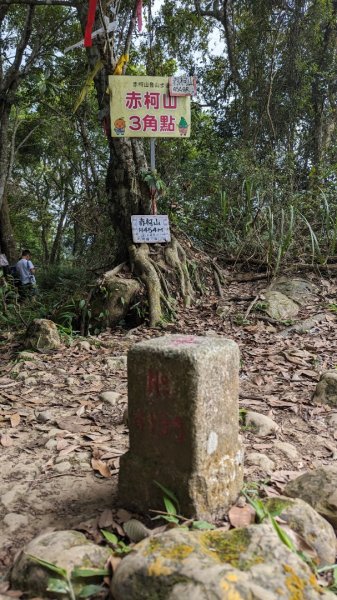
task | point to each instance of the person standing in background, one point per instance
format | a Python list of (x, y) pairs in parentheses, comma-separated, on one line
[(26, 274)]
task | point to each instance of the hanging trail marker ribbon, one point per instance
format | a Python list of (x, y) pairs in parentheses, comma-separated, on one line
[(81, 97), (90, 23), (140, 15)]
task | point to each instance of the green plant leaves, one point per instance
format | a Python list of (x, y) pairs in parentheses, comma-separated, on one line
[(202, 525), (89, 590), (44, 563), (89, 573), (110, 537), (168, 494), (171, 509), (58, 586)]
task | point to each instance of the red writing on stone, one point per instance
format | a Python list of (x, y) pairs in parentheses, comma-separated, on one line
[(160, 425), (185, 340), (157, 383)]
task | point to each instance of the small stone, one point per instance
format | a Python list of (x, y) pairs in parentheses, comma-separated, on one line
[(326, 389), (15, 521), (44, 416), (22, 375), (261, 424), (83, 345), (10, 497), (24, 355), (288, 449), (70, 381), (30, 381), (117, 363), (54, 432), (91, 377), (261, 460), (51, 444), (62, 467), (111, 398), (80, 456)]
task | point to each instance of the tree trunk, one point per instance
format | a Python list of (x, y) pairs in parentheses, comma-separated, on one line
[(7, 240)]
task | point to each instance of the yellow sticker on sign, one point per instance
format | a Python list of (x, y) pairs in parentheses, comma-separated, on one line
[(143, 107)]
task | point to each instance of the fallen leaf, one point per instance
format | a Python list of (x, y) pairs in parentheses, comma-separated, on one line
[(68, 450), (101, 467), (15, 419), (73, 424), (6, 441), (241, 517), (123, 515), (105, 519)]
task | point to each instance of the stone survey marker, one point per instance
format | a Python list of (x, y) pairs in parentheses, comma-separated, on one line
[(184, 425)]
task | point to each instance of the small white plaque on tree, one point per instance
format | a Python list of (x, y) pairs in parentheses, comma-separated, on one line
[(182, 85), (150, 229)]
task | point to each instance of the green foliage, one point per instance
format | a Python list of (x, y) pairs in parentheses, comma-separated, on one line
[(118, 545), (65, 584)]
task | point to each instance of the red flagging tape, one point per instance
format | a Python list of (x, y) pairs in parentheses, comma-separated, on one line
[(139, 15), (90, 22)]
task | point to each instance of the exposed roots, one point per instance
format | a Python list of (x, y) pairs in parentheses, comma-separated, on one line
[(175, 257), (143, 267)]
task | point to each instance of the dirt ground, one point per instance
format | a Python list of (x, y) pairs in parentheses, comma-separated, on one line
[(60, 444)]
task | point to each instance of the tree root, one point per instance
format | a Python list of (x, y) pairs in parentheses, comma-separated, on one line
[(139, 256), (176, 257)]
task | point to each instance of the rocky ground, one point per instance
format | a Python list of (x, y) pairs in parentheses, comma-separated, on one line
[(61, 434)]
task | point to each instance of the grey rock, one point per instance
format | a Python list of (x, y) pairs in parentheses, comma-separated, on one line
[(250, 563), (66, 549), (287, 449), (317, 533), (111, 398), (30, 381), (62, 467), (13, 495), (319, 489), (112, 298), (261, 460), (42, 335), (280, 307), (116, 363), (297, 289), (261, 424), (54, 432), (15, 521), (83, 345), (51, 444), (24, 355), (44, 416), (326, 389)]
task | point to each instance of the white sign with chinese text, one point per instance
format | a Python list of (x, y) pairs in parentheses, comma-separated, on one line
[(183, 85), (150, 229), (143, 107)]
